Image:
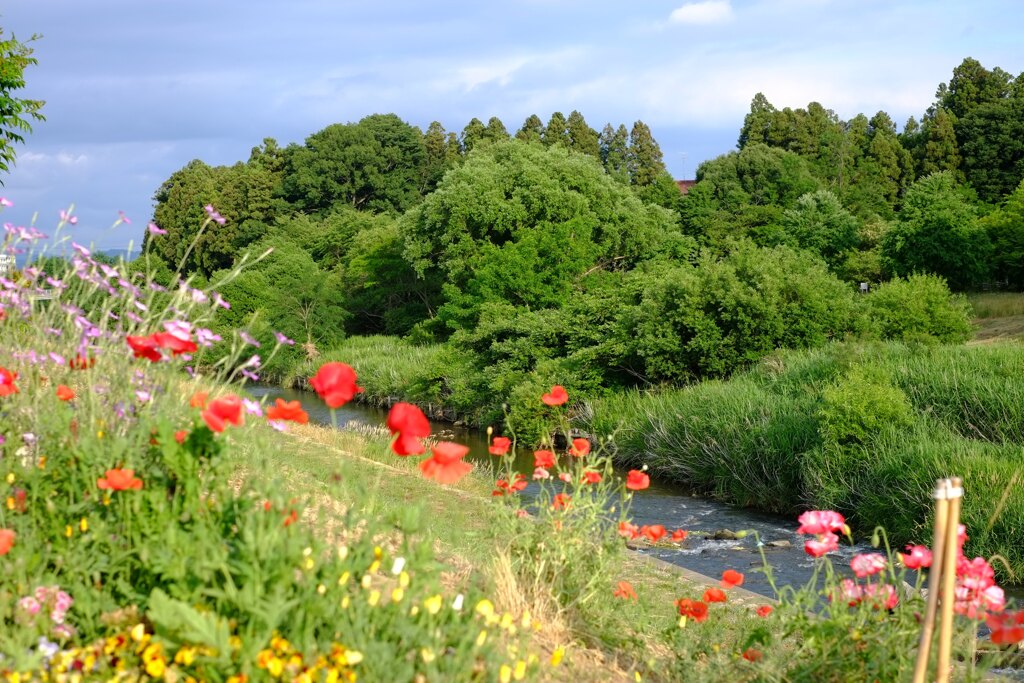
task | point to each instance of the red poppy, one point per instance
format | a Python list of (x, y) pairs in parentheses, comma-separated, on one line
[(120, 480), (198, 399), (752, 655), (627, 530), (7, 386), (335, 383), (175, 345), (411, 425), (543, 459), (654, 533), (144, 347), (180, 436), (714, 595), (6, 541), (561, 502), (222, 411), (500, 445), (65, 393), (678, 536), (81, 363), (446, 466), (580, 447), (556, 396), (625, 591), (637, 480), (20, 500), (692, 609), (1007, 628), (591, 477), (291, 518), (289, 411), (731, 577), (764, 610)]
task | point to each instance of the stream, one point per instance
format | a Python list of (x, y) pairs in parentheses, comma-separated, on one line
[(662, 503)]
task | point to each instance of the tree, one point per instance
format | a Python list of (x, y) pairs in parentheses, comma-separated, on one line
[(937, 232), (532, 130), (473, 134), (582, 138), (614, 144), (645, 159), (992, 143), (375, 164), (435, 147), (819, 223), (971, 86), (1005, 228), (556, 132), (757, 122), (16, 113), (495, 131), (939, 150), (522, 224)]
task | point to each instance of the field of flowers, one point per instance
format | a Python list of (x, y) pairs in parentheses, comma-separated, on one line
[(135, 542)]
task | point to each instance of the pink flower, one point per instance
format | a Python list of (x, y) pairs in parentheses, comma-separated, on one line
[(916, 557), (4, 201), (122, 218), (155, 229), (820, 522), (824, 543), (850, 591), (868, 564), (541, 473), (883, 595)]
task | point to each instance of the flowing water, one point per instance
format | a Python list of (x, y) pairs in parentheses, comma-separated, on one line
[(710, 547)]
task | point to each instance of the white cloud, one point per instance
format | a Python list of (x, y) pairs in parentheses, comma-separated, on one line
[(703, 13)]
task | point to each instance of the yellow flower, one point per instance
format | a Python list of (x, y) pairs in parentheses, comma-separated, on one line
[(280, 644), (10, 503), (156, 668), (275, 667), (235, 642), (353, 657), (309, 563), (433, 604), (345, 602), (505, 673), (485, 608), (557, 655), (427, 654), (84, 525), (520, 671), (367, 581), (403, 579), (414, 610), (10, 478), (374, 568), (481, 638), (506, 621), (377, 552), (374, 598), (321, 589), (343, 579), (636, 675), (397, 595), (263, 658), (68, 531), (42, 462), (186, 655), (342, 552), (138, 632)]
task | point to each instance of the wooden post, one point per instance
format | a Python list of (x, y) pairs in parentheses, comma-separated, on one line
[(941, 496), (956, 492)]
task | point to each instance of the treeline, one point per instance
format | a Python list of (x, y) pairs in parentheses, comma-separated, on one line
[(564, 254)]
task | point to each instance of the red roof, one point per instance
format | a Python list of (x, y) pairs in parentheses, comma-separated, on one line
[(685, 185)]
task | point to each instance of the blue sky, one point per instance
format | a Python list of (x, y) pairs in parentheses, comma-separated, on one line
[(137, 88)]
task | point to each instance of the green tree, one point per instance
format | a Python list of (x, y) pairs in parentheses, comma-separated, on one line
[(556, 132), (971, 86), (937, 232), (532, 130), (523, 224), (16, 113), (436, 160), (582, 138), (495, 131), (820, 223), (615, 152), (992, 143), (473, 134), (375, 164), (939, 150), (644, 158), (758, 122), (1005, 228)]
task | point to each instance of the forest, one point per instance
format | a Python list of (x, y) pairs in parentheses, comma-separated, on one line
[(495, 263)]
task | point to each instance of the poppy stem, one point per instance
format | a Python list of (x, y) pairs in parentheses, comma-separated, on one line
[(334, 418)]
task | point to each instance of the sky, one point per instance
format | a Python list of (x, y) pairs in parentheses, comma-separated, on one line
[(135, 89)]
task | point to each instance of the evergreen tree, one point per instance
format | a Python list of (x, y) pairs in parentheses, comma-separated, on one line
[(453, 149), (582, 138), (532, 130), (556, 132), (473, 134), (435, 143), (939, 150), (496, 130), (615, 152), (972, 85), (645, 161), (757, 123)]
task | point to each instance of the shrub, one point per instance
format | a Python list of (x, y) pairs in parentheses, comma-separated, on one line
[(859, 406), (919, 308)]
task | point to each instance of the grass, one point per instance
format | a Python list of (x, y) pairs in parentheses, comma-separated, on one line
[(341, 469), (996, 304)]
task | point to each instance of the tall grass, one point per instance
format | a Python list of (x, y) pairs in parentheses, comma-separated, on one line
[(996, 304), (756, 440)]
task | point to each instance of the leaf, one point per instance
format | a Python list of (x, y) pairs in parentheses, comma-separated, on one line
[(185, 624)]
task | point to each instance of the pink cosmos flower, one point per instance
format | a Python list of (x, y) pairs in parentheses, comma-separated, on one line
[(155, 229), (4, 201), (122, 218), (820, 522), (868, 564)]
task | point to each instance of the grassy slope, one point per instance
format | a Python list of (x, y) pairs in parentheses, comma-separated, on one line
[(344, 468)]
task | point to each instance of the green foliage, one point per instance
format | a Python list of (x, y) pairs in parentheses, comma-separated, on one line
[(918, 309), (614, 144), (992, 143), (709, 320), (819, 223), (582, 138), (521, 224), (16, 113), (857, 407), (375, 164), (937, 232), (532, 129), (643, 159), (1005, 229)]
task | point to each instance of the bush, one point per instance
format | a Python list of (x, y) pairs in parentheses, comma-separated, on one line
[(917, 309), (858, 407)]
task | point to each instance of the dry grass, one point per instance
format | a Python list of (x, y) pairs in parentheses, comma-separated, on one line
[(997, 304)]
